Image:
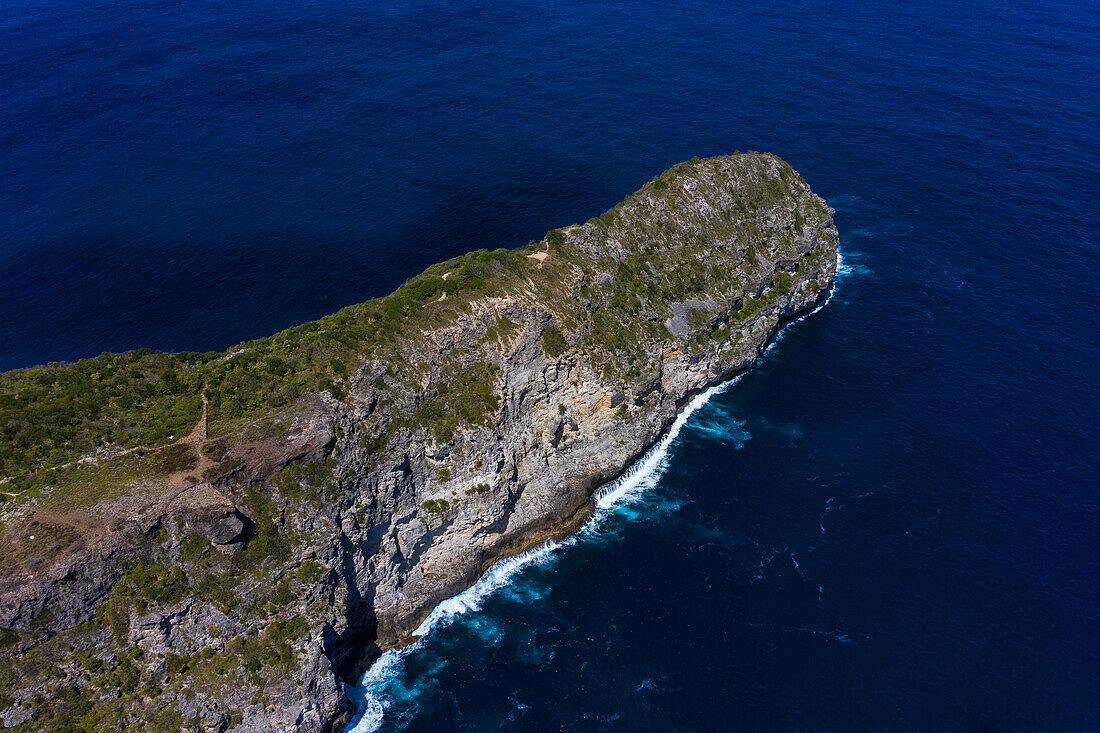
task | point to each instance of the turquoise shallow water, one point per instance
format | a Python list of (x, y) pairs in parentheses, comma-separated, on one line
[(891, 524)]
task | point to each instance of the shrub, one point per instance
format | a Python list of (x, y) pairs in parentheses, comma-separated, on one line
[(502, 329), (282, 594), (177, 663), (193, 546), (782, 284), (218, 589), (8, 637), (436, 506), (115, 614), (271, 651), (310, 572), (464, 395), (553, 342), (154, 582), (267, 546)]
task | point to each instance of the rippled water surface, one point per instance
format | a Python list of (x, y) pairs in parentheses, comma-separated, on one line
[(891, 524)]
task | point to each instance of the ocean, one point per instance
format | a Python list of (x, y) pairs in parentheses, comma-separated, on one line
[(891, 523)]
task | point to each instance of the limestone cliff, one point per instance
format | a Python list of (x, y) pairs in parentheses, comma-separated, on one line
[(236, 579)]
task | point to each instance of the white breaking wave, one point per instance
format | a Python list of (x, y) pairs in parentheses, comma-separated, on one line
[(364, 695), (844, 268), (646, 471), (641, 476), (497, 576), (367, 695)]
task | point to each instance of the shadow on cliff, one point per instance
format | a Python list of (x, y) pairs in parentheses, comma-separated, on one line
[(353, 650)]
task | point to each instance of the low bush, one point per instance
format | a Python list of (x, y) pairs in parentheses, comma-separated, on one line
[(553, 342)]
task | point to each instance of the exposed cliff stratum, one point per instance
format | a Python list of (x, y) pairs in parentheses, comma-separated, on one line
[(337, 480)]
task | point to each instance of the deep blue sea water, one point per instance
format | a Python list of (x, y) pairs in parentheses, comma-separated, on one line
[(891, 524)]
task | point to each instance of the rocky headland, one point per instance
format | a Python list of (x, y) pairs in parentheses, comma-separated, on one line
[(335, 481)]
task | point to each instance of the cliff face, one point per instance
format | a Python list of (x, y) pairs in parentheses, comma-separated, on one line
[(239, 593)]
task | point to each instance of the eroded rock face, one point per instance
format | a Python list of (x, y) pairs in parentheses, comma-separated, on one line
[(679, 289)]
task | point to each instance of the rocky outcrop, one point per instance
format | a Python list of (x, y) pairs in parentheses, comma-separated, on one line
[(489, 430)]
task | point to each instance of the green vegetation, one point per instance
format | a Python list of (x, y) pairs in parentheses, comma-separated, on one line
[(142, 585), (53, 414), (553, 342), (666, 260), (87, 682), (270, 373), (304, 481), (267, 542), (502, 330), (781, 286), (8, 637), (153, 583), (436, 506), (465, 394), (84, 485), (310, 572), (270, 653), (193, 547)]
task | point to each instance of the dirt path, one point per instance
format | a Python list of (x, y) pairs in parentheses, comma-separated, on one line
[(541, 257), (196, 440)]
